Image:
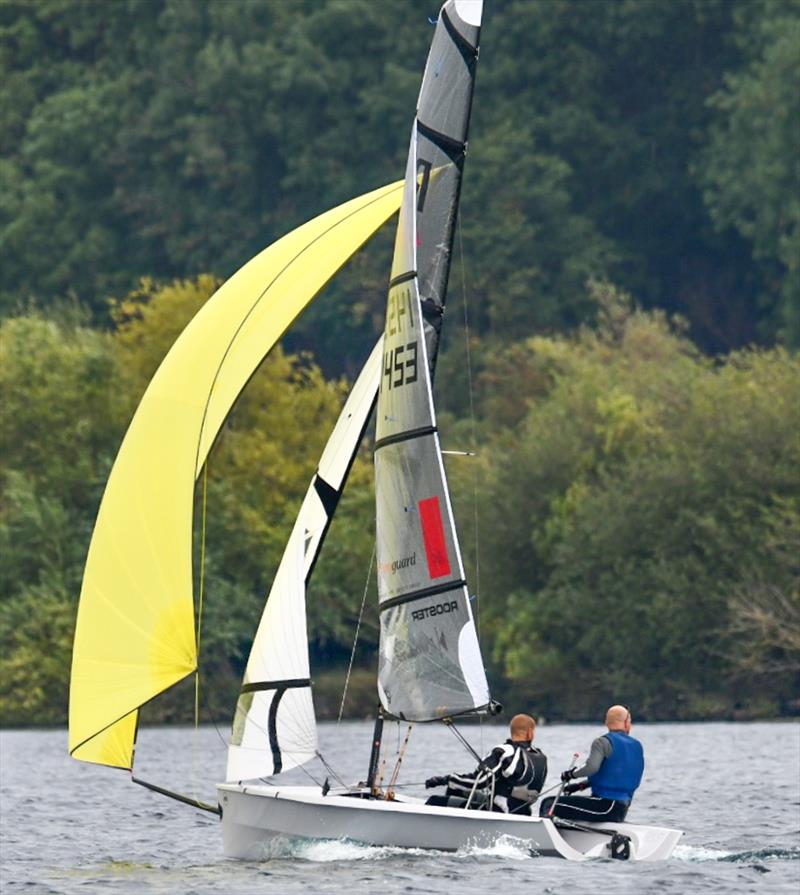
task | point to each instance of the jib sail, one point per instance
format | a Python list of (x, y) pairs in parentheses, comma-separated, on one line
[(274, 728)]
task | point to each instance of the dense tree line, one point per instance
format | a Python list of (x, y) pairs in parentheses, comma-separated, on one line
[(631, 522), (650, 142)]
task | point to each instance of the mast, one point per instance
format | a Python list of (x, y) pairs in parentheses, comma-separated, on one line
[(375, 752)]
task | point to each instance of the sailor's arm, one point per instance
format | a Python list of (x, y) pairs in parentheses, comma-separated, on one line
[(488, 769), (601, 749)]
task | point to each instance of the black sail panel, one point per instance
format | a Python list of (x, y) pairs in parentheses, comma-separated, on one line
[(443, 114)]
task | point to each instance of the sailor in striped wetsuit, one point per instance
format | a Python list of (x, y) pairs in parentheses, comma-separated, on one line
[(614, 770), (509, 779)]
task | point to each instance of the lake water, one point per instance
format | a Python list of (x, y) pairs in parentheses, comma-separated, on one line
[(68, 827)]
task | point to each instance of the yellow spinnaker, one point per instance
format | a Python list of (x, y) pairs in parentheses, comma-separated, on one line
[(135, 633)]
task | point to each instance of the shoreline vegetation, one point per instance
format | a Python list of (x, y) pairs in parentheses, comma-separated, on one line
[(361, 706), (620, 352), (638, 514)]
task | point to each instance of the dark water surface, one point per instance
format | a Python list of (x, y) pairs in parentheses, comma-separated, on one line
[(68, 827)]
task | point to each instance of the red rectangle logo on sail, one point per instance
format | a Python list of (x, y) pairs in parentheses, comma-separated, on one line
[(433, 537)]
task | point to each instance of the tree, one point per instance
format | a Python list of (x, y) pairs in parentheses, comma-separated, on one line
[(68, 393), (62, 418), (751, 170), (167, 139), (626, 506), (764, 610)]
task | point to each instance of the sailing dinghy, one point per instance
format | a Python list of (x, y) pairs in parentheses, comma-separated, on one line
[(135, 632)]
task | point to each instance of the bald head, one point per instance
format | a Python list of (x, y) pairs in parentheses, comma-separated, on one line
[(523, 728), (618, 717)]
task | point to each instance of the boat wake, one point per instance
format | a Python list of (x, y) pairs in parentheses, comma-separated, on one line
[(323, 851), (506, 848), (698, 854), (509, 848)]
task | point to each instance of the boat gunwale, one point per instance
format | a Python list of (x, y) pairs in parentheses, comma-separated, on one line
[(405, 804)]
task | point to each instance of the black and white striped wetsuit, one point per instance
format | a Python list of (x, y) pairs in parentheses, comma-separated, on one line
[(510, 778)]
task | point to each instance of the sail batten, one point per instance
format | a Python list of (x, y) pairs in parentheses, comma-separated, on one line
[(135, 631), (430, 664), (421, 594), (408, 435), (286, 683)]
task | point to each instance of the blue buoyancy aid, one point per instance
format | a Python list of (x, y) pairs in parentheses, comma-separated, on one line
[(621, 772)]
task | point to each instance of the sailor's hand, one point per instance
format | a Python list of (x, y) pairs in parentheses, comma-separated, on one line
[(436, 781), (575, 787), (567, 775)]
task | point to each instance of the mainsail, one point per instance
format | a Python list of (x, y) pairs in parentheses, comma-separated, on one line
[(135, 633), (430, 661), (274, 728)]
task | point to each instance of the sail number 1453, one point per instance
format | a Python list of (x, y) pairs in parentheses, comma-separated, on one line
[(400, 365)]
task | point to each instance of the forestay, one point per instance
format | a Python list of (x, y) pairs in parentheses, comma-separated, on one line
[(274, 728), (430, 661)]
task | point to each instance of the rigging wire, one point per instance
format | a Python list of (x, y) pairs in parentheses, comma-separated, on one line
[(474, 444), (355, 638), (473, 425), (202, 575), (210, 714), (330, 769), (448, 722)]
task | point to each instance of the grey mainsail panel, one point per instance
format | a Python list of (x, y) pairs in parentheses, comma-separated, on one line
[(430, 662), (416, 547), (404, 403)]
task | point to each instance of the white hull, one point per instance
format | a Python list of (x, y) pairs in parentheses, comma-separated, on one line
[(252, 815)]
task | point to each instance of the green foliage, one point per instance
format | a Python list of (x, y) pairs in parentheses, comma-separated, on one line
[(67, 394), (168, 138), (36, 632), (751, 161), (61, 412), (647, 142), (638, 518), (636, 510), (764, 608), (628, 505), (61, 423)]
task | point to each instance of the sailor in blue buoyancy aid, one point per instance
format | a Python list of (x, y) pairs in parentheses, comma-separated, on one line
[(614, 770)]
